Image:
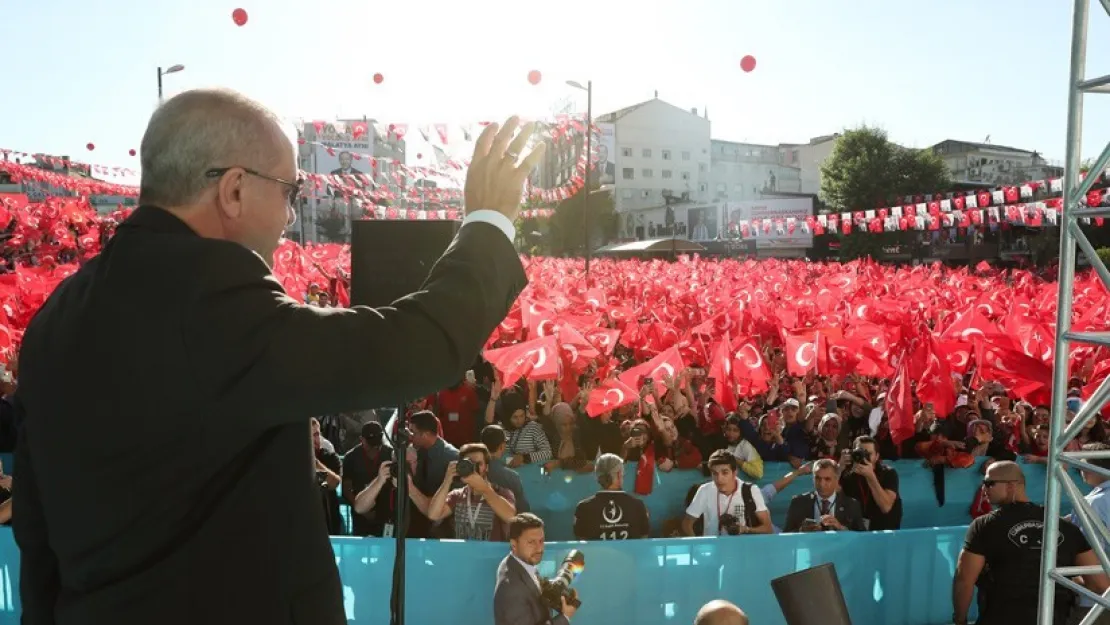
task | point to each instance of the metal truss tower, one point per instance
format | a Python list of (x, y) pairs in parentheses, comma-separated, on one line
[(1071, 237)]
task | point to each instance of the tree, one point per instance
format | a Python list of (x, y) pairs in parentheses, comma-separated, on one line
[(865, 169), (565, 232)]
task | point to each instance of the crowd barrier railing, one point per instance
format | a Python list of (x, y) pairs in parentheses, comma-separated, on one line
[(888, 578), (553, 496)]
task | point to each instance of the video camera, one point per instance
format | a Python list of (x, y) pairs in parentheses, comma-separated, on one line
[(553, 590)]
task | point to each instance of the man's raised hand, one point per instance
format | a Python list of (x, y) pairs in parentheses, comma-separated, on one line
[(495, 179)]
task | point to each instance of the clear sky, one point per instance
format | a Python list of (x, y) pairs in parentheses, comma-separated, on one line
[(80, 72)]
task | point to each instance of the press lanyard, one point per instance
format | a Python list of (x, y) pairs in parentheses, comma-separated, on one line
[(472, 513), (728, 505)]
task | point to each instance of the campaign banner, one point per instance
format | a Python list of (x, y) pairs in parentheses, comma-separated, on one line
[(605, 170), (778, 212)]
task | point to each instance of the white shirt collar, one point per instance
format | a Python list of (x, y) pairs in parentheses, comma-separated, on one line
[(532, 572), (817, 498)]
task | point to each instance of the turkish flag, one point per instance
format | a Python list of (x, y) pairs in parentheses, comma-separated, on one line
[(801, 355), (576, 351), (957, 353), (537, 359), (720, 369), (610, 395), (935, 384), (1026, 377), (899, 404), (667, 363)]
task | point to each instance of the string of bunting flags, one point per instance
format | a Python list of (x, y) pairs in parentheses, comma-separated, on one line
[(390, 179), (1029, 204)]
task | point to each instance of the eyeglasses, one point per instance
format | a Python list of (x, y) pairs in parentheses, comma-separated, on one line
[(293, 187), (990, 483)]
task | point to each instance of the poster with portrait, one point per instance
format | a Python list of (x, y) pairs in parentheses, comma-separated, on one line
[(605, 170), (702, 223), (344, 148)]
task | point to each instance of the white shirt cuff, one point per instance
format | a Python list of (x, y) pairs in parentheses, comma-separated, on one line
[(493, 218)]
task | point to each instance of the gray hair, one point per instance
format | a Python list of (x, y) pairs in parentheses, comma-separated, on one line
[(607, 468), (200, 130), (825, 463)]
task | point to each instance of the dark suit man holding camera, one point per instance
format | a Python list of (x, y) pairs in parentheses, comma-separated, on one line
[(824, 509), (875, 485), (517, 597)]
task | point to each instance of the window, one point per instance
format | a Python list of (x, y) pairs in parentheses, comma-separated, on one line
[(644, 194), (685, 155), (685, 175), (722, 187), (627, 173), (647, 153), (701, 167), (626, 152), (703, 187), (666, 173), (666, 155), (626, 194), (645, 173)]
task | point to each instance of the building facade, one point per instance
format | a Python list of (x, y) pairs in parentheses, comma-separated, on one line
[(660, 165), (748, 171), (808, 158), (985, 164)]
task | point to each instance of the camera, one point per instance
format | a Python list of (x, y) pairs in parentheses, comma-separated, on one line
[(730, 524), (465, 467), (553, 590), (861, 456), (637, 431)]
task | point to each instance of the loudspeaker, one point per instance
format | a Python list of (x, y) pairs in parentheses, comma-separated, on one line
[(392, 258), (812, 597)]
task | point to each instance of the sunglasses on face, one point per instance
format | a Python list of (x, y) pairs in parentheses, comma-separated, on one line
[(990, 483)]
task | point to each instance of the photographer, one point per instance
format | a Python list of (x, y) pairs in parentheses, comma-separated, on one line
[(377, 503), (481, 509), (728, 505), (517, 598), (873, 484), (328, 468)]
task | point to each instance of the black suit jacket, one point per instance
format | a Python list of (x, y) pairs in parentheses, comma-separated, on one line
[(845, 509), (165, 463), (516, 598)]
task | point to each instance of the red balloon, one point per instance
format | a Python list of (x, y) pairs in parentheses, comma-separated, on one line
[(747, 63), (534, 77), (419, 156), (239, 16), (378, 78), (131, 152), (90, 147)]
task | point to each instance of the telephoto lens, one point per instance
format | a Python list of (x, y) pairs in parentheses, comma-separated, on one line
[(559, 586)]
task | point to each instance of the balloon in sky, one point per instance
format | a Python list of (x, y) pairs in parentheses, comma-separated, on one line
[(534, 77), (378, 78), (131, 152), (747, 63), (239, 16), (90, 147)]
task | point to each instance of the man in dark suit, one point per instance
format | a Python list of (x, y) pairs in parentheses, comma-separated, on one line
[(516, 598), (345, 168), (824, 509), (165, 461)]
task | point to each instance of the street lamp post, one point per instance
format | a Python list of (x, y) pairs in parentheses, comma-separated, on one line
[(169, 70), (589, 89)]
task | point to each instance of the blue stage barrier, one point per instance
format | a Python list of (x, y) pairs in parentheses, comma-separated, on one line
[(888, 578), (553, 496)]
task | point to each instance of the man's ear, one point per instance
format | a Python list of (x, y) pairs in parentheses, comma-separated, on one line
[(229, 194)]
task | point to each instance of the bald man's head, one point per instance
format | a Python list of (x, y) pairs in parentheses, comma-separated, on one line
[(720, 612), (1004, 483), (224, 164), (1005, 470)]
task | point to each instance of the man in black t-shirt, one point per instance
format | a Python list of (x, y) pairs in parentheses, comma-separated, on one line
[(874, 485), (360, 467), (1002, 555), (611, 514)]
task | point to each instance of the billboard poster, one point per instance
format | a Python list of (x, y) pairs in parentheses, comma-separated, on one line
[(341, 149), (702, 223), (606, 167), (777, 211)]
